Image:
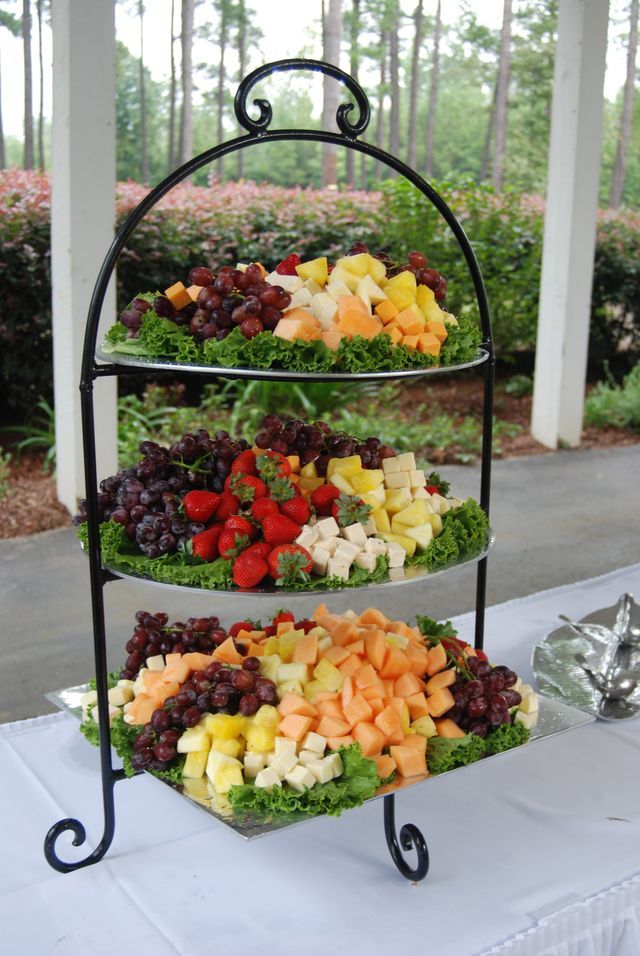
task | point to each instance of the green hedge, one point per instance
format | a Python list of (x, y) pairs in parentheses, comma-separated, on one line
[(227, 222)]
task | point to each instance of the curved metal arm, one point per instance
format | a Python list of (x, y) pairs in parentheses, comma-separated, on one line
[(410, 839), (260, 125)]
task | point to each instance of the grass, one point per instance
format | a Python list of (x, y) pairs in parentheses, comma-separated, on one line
[(618, 406)]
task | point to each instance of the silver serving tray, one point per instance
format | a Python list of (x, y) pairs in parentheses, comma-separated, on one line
[(280, 375), (561, 677), (554, 718), (404, 575)]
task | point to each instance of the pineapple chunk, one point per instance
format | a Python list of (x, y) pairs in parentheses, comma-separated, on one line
[(381, 519), (195, 764), (342, 483), (376, 497), (396, 499), (289, 686), (309, 470), (224, 726), (328, 675), (271, 646), (216, 760), (424, 726), (436, 524), (351, 465), (316, 269), (299, 672), (312, 688), (414, 514), (232, 748), (422, 534), (358, 265), (228, 776), (409, 544), (270, 664), (260, 739), (194, 739), (267, 716), (350, 279), (367, 480), (369, 291), (401, 289), (288, 641)]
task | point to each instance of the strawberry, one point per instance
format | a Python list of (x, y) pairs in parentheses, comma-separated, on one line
[(260, 547), (305, 625), (281, 489), (283, 616), (436, 484), (241, 526), (231, 543), (297, 509), (200, 505), (348, 509), (322, 499), (433, 489), (205, 544), (227, 506), (262, 507), (270, 630), (289, 563), (245, 463), (278, 529), (271, 464), (288, 266), (246, 487), (249, 569), (235, 629)]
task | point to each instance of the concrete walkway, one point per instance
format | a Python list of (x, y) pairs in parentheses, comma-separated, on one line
[(558, 518)]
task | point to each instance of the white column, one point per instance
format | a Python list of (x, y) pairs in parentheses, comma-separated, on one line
[(82, 222), (570, 222)]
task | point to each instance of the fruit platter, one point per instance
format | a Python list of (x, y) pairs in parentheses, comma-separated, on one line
[(362, 316), (302, 509), (268, 724)]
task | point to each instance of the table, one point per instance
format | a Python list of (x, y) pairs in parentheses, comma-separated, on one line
[(532, 852)]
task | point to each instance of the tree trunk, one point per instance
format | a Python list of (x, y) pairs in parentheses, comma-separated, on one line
[(488, 137), (331, 89), (626, 120), (28, 84), (433, 93), (41, 90), (382, 87), (413, 91), (354, 64), (502, 95), (242, 65), (186, 115), (144, 156), (171, 157), (221, 81), (394, 80)]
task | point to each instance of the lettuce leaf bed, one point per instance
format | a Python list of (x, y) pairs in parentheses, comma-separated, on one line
[(162, 339), (464, 535)]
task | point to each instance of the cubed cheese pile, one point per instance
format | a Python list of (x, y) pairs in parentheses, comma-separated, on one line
[(118, 696), (527, 712), (301, 765), (334, 550)]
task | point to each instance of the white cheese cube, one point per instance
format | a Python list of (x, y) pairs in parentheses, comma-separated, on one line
[(300, 779), (369, 527), (375, 546), (529, 704), (119, 696), (328, 528), (397, 574), (315, 742), (267, 778), (308, 536), (253, 764), (321, 559), (529, 720), (138, 684), (89, 699), (155, 663), (346, 552), (398, 479), (300, 299), (330, 544), (417, 478), (125, 683), (355, 533), (283, 745), (335, 762), (305, 757), (113, 712), (283, 763), (338, 569), (366, 561), (290, 284), (321, 770), (406, 461), (525, 689), (390, 466), (396, 554)]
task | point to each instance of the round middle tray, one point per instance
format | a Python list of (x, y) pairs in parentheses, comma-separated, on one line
[(405, 575), (145, 364)]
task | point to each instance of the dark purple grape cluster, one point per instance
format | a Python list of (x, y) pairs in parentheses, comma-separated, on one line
[(153, 634), (317, 442), (147, 498), (416, 263), (226, 300), (483, 703), (218, 689)]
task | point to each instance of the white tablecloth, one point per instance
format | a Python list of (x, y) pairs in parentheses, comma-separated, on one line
[(533, 852)]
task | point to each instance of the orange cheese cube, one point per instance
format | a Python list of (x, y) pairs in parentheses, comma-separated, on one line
[(178, 295), (437, 328), (386, 310), (428, 343), (410, 341), (394, 333), (194, 292), (411, 320)]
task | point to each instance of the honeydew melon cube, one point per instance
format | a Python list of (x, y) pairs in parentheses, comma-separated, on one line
[(300, 299), (369, 291), (424, 726), (300, 778), (194, 739), (422, 534), (316, 269), (293, 671), (290, 284), (223, 726), (267, 779), (232, 748), (334, 760), (350, 279), (155, 663), (283, 763), (289, 686), (367, 480), (328, 675), (260, 739), (325, 642), (267, 716), (195, 764), (253, 764), (324, 308), (396, 499), (399, 479), (271, 647), (337, 287), (414, 514), (351, 465), (269, 665), (319, 632), (436, 524)]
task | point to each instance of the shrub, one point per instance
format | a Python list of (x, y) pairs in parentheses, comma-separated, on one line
[(614, 405)]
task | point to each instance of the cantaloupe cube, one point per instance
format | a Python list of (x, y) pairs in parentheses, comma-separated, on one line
[(375, 647), (227, 653), (334, 743), (356, 647), (178, 295), (428, 344), (415, 740), (440, 702), (370, 738), (358, 709), (293, 327), (365, 676), (377, 705), (336, 654), (394, 333), (409, 761), (419, 657), (295, 726), (329, 708), (386, 310), (411, 320), (388, 721), (345, 632), (305, 650), (358, 323), (448, 728), (351, 303), (350, 666), (410, 341), (407, 685), (437, 328), (437, 659), (332, 338), (333, 727), (295, 704), (417, 704), (372, 616), (442, 679)]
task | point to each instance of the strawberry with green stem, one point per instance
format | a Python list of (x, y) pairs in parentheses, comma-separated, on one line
[(289, 564), (349, 509)]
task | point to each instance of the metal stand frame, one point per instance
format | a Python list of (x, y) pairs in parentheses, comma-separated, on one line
[(257, 132)]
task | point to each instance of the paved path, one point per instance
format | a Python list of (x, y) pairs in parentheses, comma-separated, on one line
[(558, 518)]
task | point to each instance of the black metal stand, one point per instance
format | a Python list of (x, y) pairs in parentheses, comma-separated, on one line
[(257, 132)]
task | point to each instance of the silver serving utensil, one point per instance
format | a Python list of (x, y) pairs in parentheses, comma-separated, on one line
[(631, 637), (613, 688), (586, 629)]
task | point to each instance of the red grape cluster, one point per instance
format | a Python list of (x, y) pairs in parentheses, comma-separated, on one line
[(217, 689), (147, 498), (230, 298), (153, 634), (316, 442), (416, 263), (483, 703)]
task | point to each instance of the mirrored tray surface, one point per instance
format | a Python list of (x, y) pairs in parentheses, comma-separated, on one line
[(554, 718)]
